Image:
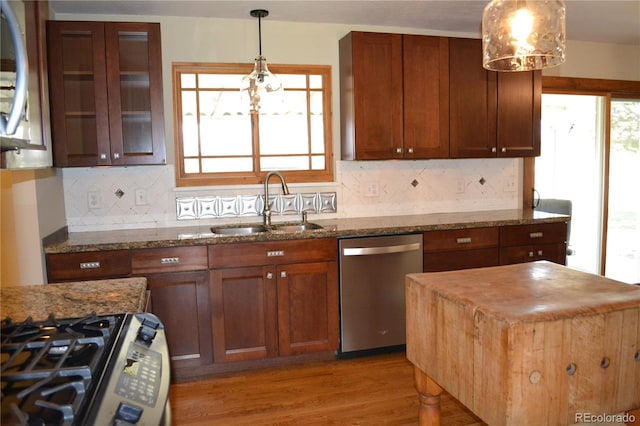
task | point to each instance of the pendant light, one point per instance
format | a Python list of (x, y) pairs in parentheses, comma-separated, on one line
[(523, 35), (261, 81)]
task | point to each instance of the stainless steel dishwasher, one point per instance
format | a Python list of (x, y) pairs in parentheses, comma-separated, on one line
[(372, 275)]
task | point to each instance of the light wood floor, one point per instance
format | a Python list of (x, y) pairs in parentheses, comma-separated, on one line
[(376, 390)]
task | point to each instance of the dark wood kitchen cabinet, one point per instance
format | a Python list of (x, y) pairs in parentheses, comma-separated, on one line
[(455, 249), (394, 96), (178, 279), (492, 114), (89, 265), (106, 101), (274, 298), (528, 243)]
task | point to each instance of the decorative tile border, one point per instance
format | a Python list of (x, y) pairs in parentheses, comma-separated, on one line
[(210, 207)]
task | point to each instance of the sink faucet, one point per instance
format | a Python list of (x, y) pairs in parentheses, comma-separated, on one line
[(285, 191)]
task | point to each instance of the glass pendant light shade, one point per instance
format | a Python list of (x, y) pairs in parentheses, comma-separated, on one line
[(260, 81), (523, 35)]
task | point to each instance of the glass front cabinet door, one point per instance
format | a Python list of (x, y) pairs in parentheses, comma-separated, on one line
[(106, 93)]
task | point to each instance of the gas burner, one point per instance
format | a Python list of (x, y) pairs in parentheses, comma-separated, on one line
[(49, 368)]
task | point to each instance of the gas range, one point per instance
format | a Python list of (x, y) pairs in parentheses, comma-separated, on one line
[(100, 370)]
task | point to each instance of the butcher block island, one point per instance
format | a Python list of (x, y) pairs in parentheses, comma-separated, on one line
[(526, 344)]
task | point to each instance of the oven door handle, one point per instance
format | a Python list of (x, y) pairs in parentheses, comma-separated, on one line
[(366, 251)]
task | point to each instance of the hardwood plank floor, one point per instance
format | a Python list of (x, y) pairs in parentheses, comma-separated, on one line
[(376, 390)]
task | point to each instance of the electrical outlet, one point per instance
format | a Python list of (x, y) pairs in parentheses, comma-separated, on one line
[(372, 190), (93, 200), (141, 197), (460, 186)]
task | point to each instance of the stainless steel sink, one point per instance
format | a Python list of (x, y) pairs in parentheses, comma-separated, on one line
[(239, 230), (297, 227)]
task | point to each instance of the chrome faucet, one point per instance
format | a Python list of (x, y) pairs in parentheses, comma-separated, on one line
[(267, 207)]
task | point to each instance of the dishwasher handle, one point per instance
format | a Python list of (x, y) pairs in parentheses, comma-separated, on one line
[(365, 251)]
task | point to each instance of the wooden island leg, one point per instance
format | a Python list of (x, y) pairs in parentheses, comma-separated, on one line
[(429, 414)]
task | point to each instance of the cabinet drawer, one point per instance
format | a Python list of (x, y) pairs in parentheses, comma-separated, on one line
[(461, 239), (543, 233), (272, 253), (174, 259), (88, 265), (520, 254), (454, 260)]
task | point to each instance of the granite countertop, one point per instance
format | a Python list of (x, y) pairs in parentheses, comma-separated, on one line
[(73, 299), (63, 242)]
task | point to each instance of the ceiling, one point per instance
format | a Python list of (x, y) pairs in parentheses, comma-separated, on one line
[(605, 21)]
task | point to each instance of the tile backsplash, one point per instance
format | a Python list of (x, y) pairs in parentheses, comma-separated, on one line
[(146, 196)]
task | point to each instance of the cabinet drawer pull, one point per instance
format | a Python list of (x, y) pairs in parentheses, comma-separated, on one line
[(275, 253), (269, 275), (89, 265), (536, 235), (283, 274), (169, 260), (463, 240)]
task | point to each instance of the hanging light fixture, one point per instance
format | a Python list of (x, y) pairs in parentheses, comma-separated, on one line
[(261, 81), (523, 35)]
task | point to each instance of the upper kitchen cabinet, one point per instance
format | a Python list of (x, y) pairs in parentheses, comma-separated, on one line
[(394, 96), (106, 93), (492, 114)]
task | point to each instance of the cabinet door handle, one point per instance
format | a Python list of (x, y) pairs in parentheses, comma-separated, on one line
[(116, 155), (503, 150), (169, 260), (103, 156), (539, 252), (283, 274), (89, 265), (398, 150), (494, 149), (536, 235), (530, 254), (464, 240), (269, 275), (410, 150)]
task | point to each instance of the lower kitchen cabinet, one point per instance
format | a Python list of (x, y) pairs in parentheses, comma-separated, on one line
[(181, 301), (178, 280), (455, 249), (307, 308), (243, 304), (529, 243), (90, 265), (263, 306)]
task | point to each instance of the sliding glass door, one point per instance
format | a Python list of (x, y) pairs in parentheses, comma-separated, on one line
[(623, 219), (590, 156), (570, 167)]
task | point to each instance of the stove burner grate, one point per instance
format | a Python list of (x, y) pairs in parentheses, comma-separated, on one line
[(50, 368)]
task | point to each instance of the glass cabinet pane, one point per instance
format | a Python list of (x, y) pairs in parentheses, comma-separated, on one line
[(135, 97), (79, 93)]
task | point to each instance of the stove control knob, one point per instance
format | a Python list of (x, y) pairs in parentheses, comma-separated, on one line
[(146, 334), (127, 414)]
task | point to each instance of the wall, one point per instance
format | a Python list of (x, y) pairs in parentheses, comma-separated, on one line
[(31, 208), (450, 185)]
